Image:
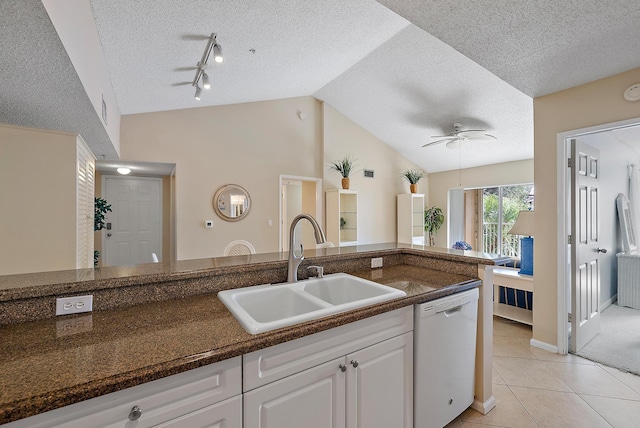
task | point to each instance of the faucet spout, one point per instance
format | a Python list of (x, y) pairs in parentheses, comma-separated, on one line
[(295, 260)]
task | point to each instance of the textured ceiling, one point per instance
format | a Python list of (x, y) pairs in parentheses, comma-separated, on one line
[(538, 46), (401, 82), (153, 46), (39, 87)]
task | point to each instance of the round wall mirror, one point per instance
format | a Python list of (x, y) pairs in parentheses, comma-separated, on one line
[(231, 202)]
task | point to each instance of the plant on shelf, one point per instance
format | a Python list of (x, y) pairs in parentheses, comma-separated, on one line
[(101, 207), (433, 220), (413, 176), (345, 167)]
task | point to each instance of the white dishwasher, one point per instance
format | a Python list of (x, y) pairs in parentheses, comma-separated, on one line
[(444, 358)]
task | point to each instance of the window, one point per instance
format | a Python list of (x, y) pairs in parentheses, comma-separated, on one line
[(500, 208)]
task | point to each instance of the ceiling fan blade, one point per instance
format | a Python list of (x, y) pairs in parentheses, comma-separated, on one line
[(445, 137), (444, 140), (476, 134)]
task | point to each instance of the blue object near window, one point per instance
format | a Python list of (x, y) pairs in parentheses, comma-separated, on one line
[(519, 298), (461, 245)]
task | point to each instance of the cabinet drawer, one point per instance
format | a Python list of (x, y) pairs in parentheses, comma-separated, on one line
[(276, 362), (159, 400)]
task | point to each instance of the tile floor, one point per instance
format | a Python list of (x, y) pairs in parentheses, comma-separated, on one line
[(535, 388)]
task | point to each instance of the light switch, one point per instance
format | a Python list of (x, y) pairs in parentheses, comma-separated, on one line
[(208, 224), (269, 223)]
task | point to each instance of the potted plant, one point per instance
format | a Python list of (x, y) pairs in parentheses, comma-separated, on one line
[(345, 167), (101, 207), (433, 220), (413, 176)]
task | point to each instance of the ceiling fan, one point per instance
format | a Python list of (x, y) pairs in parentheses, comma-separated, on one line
[(459, 135)]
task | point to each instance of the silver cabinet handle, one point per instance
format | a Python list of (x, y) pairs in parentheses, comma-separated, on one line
[(109, 235), (354, 363), (343, 368), (601, 250), (135, 413)]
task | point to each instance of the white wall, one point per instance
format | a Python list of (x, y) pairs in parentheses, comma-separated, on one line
[(73, 20), (614, 158), (499, 174)]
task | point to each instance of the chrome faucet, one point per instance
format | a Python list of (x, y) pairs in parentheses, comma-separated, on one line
[(294, 261)]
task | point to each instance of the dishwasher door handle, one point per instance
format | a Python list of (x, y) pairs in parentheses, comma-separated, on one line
[(452, 311)]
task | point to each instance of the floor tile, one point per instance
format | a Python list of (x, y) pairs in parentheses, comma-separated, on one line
[(527, 373), (543, 355), (456, 423), (592, 380), (552, 409), (504, 346), (496, 379), (629, 379), (504, 327), (507, 413), (619, 413), (475, 425)]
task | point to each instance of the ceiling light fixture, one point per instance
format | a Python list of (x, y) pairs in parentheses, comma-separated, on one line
[(201, 75), (123, 170)]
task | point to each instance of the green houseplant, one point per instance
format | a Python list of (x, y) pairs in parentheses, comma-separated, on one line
[(433, 220), (345, 167), (101, 207), (413, 176)]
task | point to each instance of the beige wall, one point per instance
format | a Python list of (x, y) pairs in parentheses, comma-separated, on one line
[(376, 196), (38, 197), (499, 174), (247, 144), (251, 145), (595, 103)]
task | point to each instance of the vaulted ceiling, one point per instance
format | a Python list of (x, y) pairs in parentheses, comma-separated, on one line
[(404, 73)]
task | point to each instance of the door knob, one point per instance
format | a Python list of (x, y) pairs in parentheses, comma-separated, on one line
[(343, 368), (601, 250), (109, 235), (354, 363)]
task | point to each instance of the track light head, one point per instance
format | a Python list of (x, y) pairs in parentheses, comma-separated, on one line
[(217, 53), (198, 90), (206, 84)]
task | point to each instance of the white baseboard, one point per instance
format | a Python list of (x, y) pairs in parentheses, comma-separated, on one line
[(542, 345), (485, 407), (608, 303)]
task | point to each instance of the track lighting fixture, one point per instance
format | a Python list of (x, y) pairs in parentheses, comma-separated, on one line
[(217, 53), (201, 74)]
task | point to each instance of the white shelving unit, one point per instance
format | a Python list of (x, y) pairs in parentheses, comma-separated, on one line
[(411, 218), (510, 277), (342, 217)]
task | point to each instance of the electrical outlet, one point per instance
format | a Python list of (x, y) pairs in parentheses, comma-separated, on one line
[(74, 305), (376, 262)]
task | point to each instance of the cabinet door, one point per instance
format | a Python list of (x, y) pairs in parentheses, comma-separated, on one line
[(313, 398), (380, 386), (227, 414)]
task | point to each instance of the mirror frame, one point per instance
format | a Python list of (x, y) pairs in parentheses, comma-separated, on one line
[(238, 190)]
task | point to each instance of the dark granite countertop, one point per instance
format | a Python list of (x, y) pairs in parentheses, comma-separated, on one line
[(51, 363)]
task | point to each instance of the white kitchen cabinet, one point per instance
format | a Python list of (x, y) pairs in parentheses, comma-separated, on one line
[(356, 375), (314, 398), (380, 386), (207, 396), (342, 217), (411, 218)]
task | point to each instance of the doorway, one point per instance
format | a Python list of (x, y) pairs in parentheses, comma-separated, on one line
[(133, 232), (299, 195), (564, 204)]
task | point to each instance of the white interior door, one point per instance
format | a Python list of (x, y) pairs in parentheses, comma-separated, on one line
[(585, 228), (134, 227)]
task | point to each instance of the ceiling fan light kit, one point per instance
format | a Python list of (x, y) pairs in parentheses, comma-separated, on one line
[(459, 135), (201, 74)]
